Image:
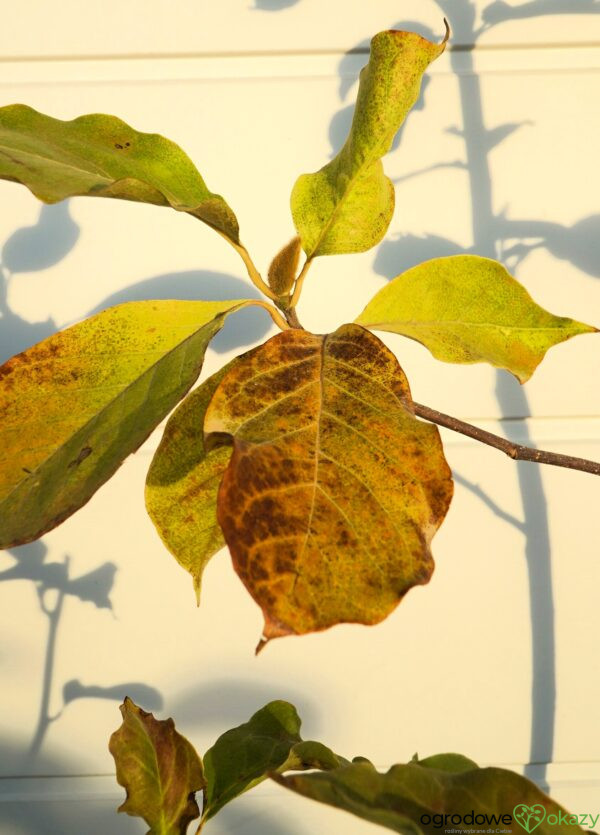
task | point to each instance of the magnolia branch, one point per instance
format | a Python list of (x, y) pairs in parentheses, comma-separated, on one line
[(515, 451)]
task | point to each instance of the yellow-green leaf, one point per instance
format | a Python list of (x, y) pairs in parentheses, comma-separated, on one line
[(444, 791), (334, 489), (78, 403), (101, 156), (282, 271), (468, 309), (347, 206), (159, 769), (183, 481)]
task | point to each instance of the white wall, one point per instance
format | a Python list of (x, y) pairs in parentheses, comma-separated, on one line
[(496, 657)]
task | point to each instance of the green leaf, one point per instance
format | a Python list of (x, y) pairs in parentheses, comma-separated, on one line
[(468, 309), (454, 763), (347, 206), (415, 798), (310, 755), (245, 756), (78, 403), (334, 489), (101, 156), (183, 481), (159, 769)]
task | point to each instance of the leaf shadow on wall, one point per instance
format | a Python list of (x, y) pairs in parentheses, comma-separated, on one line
[(500, 11), (511, 241), (53, 586), (228, 702), (273, 5), (246, 327), (51, 239), (30, 249)]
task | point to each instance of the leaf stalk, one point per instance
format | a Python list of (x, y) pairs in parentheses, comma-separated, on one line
[(281, 323), (300, 282), (255, 276)]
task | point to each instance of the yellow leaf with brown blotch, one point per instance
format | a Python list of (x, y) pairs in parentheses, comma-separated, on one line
[(334, 489)]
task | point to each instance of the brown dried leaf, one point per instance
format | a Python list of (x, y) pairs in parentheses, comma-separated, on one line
[(334, 489), (282, 271)]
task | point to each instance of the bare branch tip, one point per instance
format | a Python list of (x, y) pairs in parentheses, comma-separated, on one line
[(448, 31)]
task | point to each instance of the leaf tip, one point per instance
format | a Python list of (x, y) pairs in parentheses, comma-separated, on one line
[(197, 580), (272, 629), (127, 706), (261, 644), (521, 376)]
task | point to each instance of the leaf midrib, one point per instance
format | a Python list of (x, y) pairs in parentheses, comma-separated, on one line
[(436, 323), (315, 482), (108, 179), (340, 204), (163, 819), (99, 172), (316, 487)]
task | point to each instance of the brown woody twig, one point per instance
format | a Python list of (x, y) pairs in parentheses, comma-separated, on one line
[(516, 451)]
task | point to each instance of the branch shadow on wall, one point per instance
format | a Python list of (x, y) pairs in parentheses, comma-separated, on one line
[(53, 585), (491, 233), (52, 238), (511, 241), (32, 249)]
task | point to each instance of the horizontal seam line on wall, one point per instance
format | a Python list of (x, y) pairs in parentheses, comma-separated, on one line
[(145, 56), (249, 68)]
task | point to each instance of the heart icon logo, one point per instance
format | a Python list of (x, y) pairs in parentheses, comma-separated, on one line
[(529, 817)]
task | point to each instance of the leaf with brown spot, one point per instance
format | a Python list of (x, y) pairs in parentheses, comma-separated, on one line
[(101, 156), (183, 482), (159, 769), (73, 407), (334, 489)]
